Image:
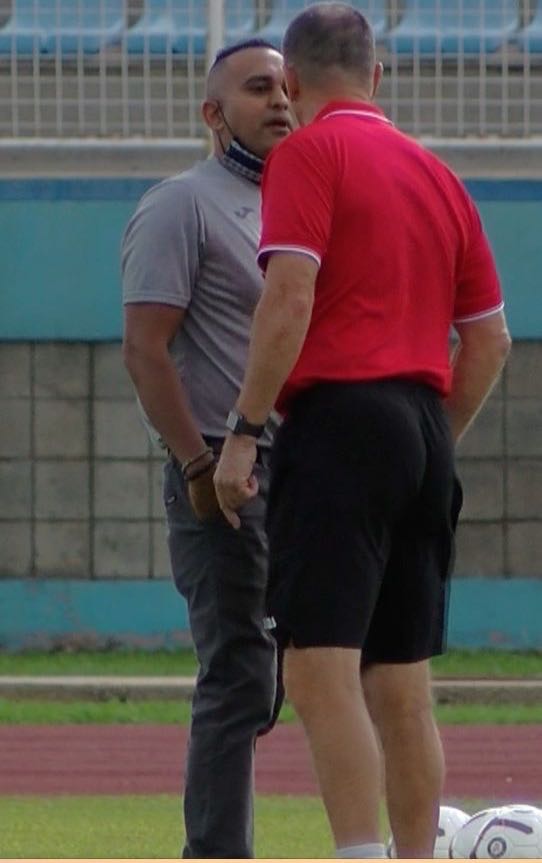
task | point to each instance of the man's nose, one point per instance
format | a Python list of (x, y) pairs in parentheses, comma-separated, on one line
[(279, 97)]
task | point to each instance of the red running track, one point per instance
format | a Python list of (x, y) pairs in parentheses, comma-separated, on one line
[(490, 762)]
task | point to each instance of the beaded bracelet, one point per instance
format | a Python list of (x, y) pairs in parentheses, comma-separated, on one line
[(200, 471), (188, 464)]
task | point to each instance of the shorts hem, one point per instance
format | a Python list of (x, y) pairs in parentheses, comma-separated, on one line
[(419, 656)]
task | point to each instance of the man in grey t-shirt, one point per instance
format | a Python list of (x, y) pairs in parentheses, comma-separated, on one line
[(190, 284)]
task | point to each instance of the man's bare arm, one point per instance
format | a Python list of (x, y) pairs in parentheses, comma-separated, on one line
[(478, 360), (148, 330), (279, 328)]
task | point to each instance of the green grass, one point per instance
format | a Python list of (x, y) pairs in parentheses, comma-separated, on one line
[(87, 827), (81, 662), (30, 712), (488, 663), (151, 826), (457, 663), (489, 714)]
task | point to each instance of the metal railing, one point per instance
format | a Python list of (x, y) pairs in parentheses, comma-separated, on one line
[(124, 68)]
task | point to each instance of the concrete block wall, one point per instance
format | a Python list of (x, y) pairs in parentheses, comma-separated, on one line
[(80, 484), (500, 465)]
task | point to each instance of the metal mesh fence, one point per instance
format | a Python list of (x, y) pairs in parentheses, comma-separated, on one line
[(123, 68)]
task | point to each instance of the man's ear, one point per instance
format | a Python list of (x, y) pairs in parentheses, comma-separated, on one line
[(377, 77), (212, 115), (292, 83)]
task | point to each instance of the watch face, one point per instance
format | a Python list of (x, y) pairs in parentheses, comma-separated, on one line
[(232, 421), (237, 424)]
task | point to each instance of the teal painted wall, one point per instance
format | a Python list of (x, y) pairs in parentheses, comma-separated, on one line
[(60, 240), (59, 269), (495, 613), (45, 614), (515, 232)]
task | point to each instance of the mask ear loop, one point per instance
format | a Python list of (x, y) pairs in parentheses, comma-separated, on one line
[(234, 137), (228, 127)]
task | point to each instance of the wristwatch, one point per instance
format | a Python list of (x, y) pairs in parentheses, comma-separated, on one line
[(238, 424)]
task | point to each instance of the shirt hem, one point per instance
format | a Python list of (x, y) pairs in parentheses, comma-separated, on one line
[(154, 298)]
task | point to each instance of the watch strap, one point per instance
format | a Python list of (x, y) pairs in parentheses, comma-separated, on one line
[(237, 424)]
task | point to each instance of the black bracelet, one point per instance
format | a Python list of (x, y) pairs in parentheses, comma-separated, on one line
[(200, 471)]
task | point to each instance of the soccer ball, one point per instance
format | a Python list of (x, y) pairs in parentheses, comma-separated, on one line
[(506, 832), (449, 822), (465, 838)]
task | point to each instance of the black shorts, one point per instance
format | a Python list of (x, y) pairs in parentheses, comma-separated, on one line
[(361, 517)]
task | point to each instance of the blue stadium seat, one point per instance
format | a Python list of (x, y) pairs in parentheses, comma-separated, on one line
[(451, 27), (69, 26), (284, 11), (181, 26), (530, 38)]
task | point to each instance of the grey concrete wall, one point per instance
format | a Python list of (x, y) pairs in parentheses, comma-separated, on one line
[(500, 464), (139, 157), (80, 484)]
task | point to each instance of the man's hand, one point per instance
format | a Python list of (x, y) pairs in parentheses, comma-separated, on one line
[(202, 496), (234, 481)]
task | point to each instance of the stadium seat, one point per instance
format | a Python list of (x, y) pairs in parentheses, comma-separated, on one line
[(452, 27), (530, 38), (284, 10), (68, 26), (181, 26)]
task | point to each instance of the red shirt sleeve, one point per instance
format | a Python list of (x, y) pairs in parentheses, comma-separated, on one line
[(478, 291), (297, 199)]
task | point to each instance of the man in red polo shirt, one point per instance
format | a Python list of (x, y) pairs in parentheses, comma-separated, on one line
[(373, 250)]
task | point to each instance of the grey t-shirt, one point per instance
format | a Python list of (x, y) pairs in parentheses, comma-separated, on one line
[(192, 243)]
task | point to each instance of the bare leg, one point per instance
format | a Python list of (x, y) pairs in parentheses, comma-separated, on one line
[(399, 699), (323, 685)]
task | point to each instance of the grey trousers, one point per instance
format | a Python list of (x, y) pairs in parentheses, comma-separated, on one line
[(221, 573)]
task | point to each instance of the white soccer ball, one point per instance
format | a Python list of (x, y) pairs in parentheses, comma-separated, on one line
[(506, 832), (465, 838), (449, 822)]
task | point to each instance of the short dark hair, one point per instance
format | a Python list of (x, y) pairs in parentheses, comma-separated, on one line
[(240, 46), (328, 35)]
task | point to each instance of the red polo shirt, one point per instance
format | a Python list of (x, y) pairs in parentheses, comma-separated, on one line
[(399, 243)]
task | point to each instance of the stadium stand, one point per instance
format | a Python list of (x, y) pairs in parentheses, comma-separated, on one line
[(65, 26), (424, 27), (454, 27), (181, 27), (530, 38), (283, 11), (137, 67)]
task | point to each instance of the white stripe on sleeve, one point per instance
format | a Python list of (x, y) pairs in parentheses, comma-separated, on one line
[(479, 315), (300, 250)]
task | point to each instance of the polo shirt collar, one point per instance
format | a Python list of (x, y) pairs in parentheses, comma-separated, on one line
[(364, 110)]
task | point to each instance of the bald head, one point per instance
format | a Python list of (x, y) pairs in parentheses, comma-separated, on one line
[(226, 65), (330, 39), (217, 81)]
